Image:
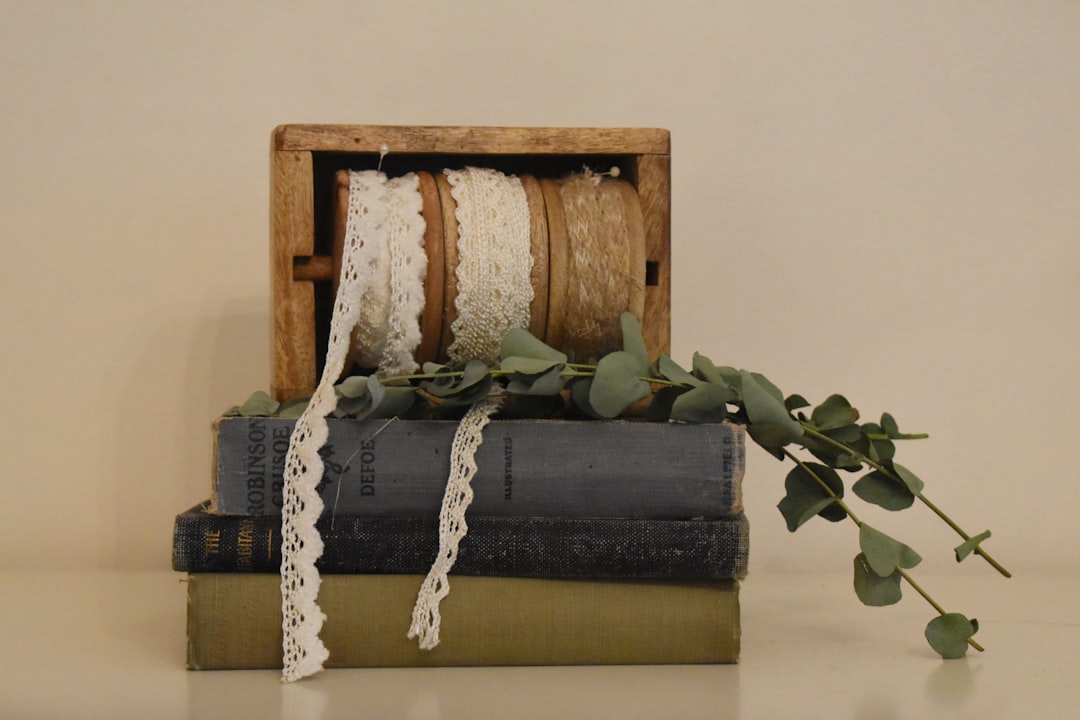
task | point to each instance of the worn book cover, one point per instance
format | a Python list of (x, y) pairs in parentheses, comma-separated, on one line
[(234, 622), (504, 546), (620, 468)]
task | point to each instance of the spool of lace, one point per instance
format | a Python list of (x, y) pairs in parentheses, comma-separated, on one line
[(387, 331), (376, 212), (494, 262)]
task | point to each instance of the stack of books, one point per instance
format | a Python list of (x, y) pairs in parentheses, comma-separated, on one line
[(619, 542)]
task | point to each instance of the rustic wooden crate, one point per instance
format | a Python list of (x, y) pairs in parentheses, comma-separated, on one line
[(305, 158)]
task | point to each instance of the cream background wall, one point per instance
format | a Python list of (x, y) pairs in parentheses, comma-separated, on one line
[(879, 199)]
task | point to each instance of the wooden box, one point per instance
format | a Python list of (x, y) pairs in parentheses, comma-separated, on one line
[(305, 159)]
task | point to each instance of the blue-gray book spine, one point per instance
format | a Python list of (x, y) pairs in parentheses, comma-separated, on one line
[(531, 468), (540, 547)]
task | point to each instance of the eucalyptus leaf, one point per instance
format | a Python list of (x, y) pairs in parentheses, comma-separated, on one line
[(881, 447), (292, 409), (529, 366), (806, 497), (910, 480), (475, 371), (834, 412), (706, 403), (580, 391), (519, 342), (889, 426), (671, 370), (548, 383), (948, 634), (704, 369), (879, 489), (258, 404), (771, 426), (353, 386), (443, 382), (971, 545), (873, 589), (617, 384), (474, 392), (396, 401), (795, 402), (885, 554)]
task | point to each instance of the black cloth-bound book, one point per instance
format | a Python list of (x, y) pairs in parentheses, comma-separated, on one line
[(538, 547)]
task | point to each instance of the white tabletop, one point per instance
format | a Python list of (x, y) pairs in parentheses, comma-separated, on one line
[(111, 645)]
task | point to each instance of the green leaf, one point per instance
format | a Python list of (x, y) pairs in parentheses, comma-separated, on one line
[(771, 426), (835, 412), (580, 391), (394, 400), (881, 447), (910, 480), (617, 384), (442, 383), (475, 372), (519, 342), (879, 489), (805, 497), (529, 366), (354, 386), (885, 554), (474, 381), (873, 589), (705, 403), (971, 545), (671, 370), (632, 340), (948, 634), (704, 369), (795, 402), (258, 404), (889, 426), (292, 409), (549, 383)]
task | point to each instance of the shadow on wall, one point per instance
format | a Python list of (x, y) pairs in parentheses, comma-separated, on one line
[(180, 372)]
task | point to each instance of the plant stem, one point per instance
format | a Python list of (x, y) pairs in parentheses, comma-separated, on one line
[(941, 611), (814, 432), (903, 573)]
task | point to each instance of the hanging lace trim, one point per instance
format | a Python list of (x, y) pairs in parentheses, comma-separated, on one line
[(303, 653), (495, 261), (452, 526)]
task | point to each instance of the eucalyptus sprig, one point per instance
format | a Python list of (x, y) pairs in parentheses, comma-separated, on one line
[(540, 381)]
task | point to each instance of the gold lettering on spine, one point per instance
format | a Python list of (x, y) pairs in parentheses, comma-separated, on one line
[(245, 544)]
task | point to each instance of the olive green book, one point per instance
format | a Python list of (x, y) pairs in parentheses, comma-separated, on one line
[(234, 621)]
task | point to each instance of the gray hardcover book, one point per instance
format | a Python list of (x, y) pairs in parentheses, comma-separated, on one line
[(537, 468)]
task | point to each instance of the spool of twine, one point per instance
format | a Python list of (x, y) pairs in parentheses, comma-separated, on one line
[(599, 273)]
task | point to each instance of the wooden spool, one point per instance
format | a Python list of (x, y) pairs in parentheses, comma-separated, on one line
[(305, 158)]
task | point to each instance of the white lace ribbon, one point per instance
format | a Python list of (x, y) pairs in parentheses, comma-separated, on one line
[(303, 653), (452, 526)]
